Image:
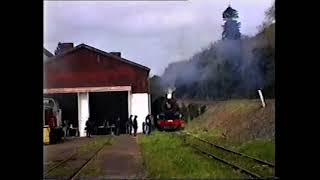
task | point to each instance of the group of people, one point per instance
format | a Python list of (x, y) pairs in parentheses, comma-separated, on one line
[(91, 127), (147, 126), (132, 124)]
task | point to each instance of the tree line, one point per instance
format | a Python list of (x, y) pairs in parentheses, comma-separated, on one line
[(234, 67)]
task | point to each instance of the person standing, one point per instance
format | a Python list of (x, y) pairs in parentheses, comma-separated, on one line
[(118, 126), (148, 124), (127, 125), (152, 122), (144, 127), (65, 129), (130, 122), (88, 127), (135, 125), (52, 126)]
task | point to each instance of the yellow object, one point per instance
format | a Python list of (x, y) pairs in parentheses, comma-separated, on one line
[(46, 137)]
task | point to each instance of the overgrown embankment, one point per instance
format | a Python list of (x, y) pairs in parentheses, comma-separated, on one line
[(241, 125), (237, 120)]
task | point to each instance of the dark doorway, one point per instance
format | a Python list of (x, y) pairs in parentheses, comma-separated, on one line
[(68, 103), (108, 106)]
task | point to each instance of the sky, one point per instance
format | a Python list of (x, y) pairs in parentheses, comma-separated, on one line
[(151, 33)]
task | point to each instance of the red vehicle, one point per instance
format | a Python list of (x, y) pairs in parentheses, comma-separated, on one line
[(52, 128), (170, 118)]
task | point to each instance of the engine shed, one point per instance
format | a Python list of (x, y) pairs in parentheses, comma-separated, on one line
[(88, 82)]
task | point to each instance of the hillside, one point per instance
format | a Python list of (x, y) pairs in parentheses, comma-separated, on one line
[(237, 120)]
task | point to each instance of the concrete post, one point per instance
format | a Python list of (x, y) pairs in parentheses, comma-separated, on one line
[(83, 112), (261, 98)]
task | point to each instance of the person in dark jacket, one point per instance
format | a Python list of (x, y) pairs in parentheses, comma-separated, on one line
[(144, 128), (130, 123), (148, 124), (118, 126), (65, 129), (89, 127), (52, 126), (135, 125), (152, 122)]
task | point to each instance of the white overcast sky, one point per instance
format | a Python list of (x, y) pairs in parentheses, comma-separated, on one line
[(152, 33)]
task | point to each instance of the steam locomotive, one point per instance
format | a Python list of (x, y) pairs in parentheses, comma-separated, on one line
[(170, 117)]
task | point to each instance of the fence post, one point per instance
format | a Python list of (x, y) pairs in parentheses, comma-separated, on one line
[(261, 98)]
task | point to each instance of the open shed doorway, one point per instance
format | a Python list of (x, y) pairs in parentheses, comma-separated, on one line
[(108, 106), (68, 103)]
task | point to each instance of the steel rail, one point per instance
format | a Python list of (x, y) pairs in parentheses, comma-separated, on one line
[(246, 171), (228, 150), (76, 173), (82, 166), (243, 170)]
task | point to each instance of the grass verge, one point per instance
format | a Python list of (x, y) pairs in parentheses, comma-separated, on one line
[(165, 156)]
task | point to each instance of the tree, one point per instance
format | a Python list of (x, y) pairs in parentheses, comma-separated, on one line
[(184, 111), (231, 27), (271, 13), (227, 79), (266, 66), (233, 67), (270, 18)]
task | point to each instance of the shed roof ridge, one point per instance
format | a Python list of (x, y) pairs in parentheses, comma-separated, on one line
[(47, 52), (82, 45)]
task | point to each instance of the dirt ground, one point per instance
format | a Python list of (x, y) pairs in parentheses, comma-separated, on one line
[(122, 159)]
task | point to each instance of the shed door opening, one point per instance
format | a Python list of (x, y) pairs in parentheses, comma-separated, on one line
[(108, 106), (68, 103)]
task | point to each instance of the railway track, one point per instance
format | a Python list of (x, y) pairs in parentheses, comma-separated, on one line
[(78, 170), (243, 170)]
